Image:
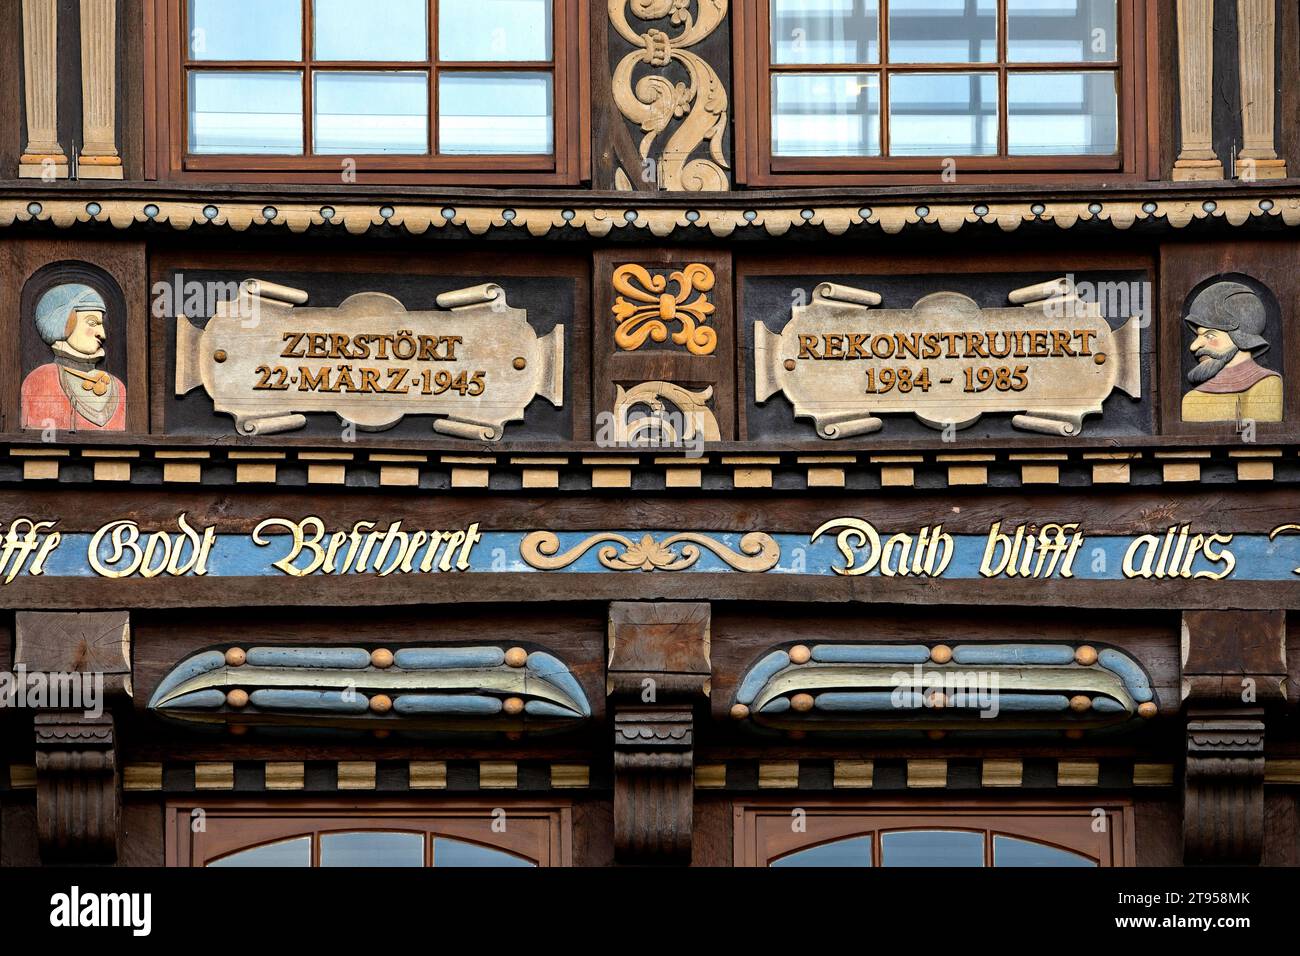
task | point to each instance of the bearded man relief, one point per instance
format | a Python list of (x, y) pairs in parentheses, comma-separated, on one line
[(1228, 383)]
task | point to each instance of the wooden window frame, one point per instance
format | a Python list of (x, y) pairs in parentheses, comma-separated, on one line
[(762, 831), (234, 825), (1138, 105), (166, 111)]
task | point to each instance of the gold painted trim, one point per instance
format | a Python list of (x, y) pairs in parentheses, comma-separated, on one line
[(142, 776), (758, 551), (659, 222)]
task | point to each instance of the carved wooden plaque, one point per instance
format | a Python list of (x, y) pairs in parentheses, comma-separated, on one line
[(1050, 360), (476, 361)]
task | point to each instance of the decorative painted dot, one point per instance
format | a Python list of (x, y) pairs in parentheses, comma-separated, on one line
[(1266, 204), (865, 212), (210, 212), (739, 711), (630, 215), (567, 215), (327, 213), (508, 215), (789, 365), (981, 210), (381, 704), (34, 208), (806, 214), (1094, 208), (220, 355), (387, 211), (802, 702), (941, 653), (516, 657), (151, 211), (1147, 709), (1085, 655), (381, 657), (269, 213), (800, 654), (237, 698), (1038, 209), (1148, 207), (936, 734), (513, 706), (1080, 703), (94, 208), (1074, 733), (692, 215), (1099, 358), (235, 657), (239, 730), (448, 213), (380, 732), (749, 215), (1209, 205), (923, 211)]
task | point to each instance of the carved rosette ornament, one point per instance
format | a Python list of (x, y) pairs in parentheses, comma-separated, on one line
[(657, 100), (77, 807)]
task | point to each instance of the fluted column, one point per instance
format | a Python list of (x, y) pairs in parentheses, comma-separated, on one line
[(1196, 159), (1256, 52), (99, 158), (43, 157)]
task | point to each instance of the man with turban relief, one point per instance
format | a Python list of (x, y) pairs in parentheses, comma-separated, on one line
[(1227, 325), (72, 392)]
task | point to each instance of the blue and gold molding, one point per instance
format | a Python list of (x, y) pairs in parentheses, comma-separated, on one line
[(932, 691), (342, 690)]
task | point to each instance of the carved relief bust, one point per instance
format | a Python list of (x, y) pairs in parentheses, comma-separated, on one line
[(1226, 321), (72, 391)]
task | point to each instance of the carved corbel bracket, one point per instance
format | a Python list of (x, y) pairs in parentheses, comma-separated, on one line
[(78, 804), (1233, 664), (658, 669), (1223, 800)]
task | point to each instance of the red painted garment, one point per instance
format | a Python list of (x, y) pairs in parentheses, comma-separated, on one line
[(46, 405), (1236, 378)]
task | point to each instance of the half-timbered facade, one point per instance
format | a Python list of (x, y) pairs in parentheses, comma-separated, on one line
[(551, 433)]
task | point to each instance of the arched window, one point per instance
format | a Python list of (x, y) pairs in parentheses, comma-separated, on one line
[(312, 835), (930, 836)]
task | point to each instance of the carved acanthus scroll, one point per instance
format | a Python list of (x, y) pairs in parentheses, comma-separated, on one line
[(654, 101)]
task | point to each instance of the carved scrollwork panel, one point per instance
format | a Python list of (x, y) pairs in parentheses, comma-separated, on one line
[(656, 101)]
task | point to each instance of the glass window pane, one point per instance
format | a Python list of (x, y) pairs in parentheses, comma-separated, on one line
[(374, 848), (1010, 851), (295, 852), (1060, 31), (1053, 114), (371, 30), (943, 31), (825, 31), (943, 114), (245, 29), (458, 853), (855, 851), (826, 114), (371, 113), (494, 113), (242, 112), (932, 848), (494, 30)]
